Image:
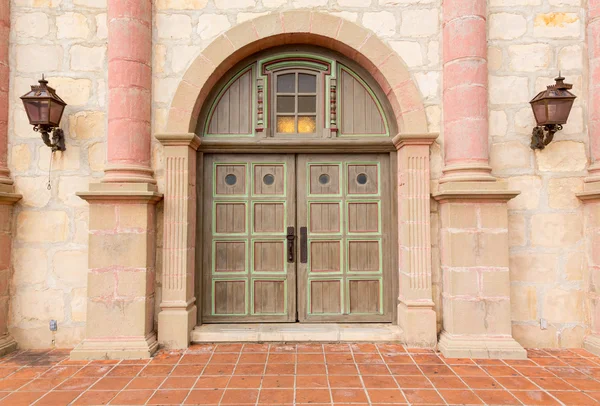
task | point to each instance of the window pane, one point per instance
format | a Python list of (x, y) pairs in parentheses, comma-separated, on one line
[(286, 83), (307, 125), (307, 83), (286, 124), (307, 104), (285, 104)]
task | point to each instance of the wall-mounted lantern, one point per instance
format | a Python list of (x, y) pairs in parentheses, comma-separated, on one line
[(551, 109), (45, 109)]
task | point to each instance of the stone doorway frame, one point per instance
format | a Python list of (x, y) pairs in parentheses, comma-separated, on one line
[(416, 315)]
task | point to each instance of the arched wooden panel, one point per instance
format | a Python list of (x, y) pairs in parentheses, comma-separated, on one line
[(233, 112), (360, 114)]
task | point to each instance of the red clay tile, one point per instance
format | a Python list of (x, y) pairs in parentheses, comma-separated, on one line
[(427, 359), (530, 397), (379, 382), (29, 373), (314, 369), (62, 398), (201, 348), (373, 369), (204, 397), (310, 359), (537, 372), (480, 382), (468, 370), (364, 348), (336, 348), (239, 397), (178, 382), (132, 397), (150, 382), (311, 381), (548, 361), (435, 370), (92, 398), (282, 348), (368, 359), (212, 382), (312, 396), (584, 384), (348, 395), (386, 396), (276, 397), (342, 369), (197, 359), (111, 384), (219, 369), (552, 383), (253, 358), (516, 382), (225, 358), (125, 370), (340, 381), (405, 370), (280, 369), (460, 397), (413, 382), (187, 370), (447, 382), (574, 398), (422, 396), (248, 369), (245, 382), (77, 384), (229, 348), (566, 372), (281, 358), (6, 371), (20, 398), (255, 348), (168, 397), (398, 359), (93, 371), (277, 382), (500, 371), (41, 385), (166, 358), (60, 371), (156, 370), (309, 348), (497, 397), (343, 358), (391, 348)]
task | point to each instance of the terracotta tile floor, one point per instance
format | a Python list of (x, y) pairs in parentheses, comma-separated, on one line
[(278, 374)]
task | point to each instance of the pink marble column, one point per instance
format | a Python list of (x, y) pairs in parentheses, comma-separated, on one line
[(593, 38), (465, 94), (4, 81), (129, 91)]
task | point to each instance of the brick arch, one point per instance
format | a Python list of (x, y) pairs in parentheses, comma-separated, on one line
[(298, 27)]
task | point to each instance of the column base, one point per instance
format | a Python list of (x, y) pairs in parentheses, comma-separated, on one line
[(482, 347), (419, 325), (175, 326), (118, 348), (592, 344), (7, 345)]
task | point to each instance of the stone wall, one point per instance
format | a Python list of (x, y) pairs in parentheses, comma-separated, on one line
[(529, 41)]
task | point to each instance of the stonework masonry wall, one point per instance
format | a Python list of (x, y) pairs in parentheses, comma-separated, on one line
[(529, 41)]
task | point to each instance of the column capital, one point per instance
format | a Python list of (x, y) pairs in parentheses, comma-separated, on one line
[(483, 191), (402, 140), (179, 139)]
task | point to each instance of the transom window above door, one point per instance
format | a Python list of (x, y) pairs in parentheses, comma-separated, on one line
[(296, 94)]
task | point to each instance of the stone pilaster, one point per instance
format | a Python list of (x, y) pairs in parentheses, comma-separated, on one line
[(476, 278), (121, 274), (178, 313), (416, 315)]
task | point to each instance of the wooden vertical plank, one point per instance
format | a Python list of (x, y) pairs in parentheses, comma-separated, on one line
[(234, 107), (245, 100)]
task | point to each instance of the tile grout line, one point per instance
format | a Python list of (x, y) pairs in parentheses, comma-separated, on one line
[(391, 374), (77, 397), (262, 378), (199, 375), (360, 374), (164, 380), (427, 377)]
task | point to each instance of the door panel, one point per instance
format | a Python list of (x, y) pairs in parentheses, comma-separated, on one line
[(247, 273), (341, 201)]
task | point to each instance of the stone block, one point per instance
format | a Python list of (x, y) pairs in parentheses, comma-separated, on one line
[(72, 25), (459, 216), (493, 216), (134, 216), (39, 58), (529, 57), (182, 55), (34, 191), (234, 4), (79, 305), (38, 305), (519, 90), (103, 217), (562, 156), (506, 26), (492, 249), (495, 284), (459, 249), (47, 226), (91, 3), (495, 59), (497, 317), (457, 311), (70, 267), (101, 284), (571, 57), (101, 26), (532, 336), (69, 160), (517, 230), (181, 4), (461, 283), (420, 23), (85, 125), (30, 266), (382, 23), (133, 284), (529, 266), (68, 186), (211, 25), (572, 337), (308, 3), (510, 156), (173, 26), (409, 51), (562, 193), (20, 157), (75, 92), (531, 190), (556, 229), (97, 156), (557, 25), (125, 250), (274, 3), (498, 123), (32, 25), (90, 59), (116, 318), (564, 306), (576, 266), (524, 303)]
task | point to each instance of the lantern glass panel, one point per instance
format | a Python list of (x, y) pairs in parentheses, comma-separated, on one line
[(38, 111), (56, 113), (561, 110), (540, 113)]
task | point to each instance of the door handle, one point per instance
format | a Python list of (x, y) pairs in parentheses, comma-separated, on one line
[(303, 245), (291, 237)]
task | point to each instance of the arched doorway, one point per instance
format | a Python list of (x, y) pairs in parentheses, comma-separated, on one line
[(297, 234)]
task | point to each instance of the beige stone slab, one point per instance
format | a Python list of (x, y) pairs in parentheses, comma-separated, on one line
[(296, 332), (117, 348), (480, 346), (592, 344)]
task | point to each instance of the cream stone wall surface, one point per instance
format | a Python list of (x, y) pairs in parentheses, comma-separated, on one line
[(529, 41)]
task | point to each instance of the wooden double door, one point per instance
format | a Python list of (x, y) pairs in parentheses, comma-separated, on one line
[(297, 238)]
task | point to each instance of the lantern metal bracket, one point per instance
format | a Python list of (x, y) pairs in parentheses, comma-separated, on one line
[(58, 137), (543, 135)]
